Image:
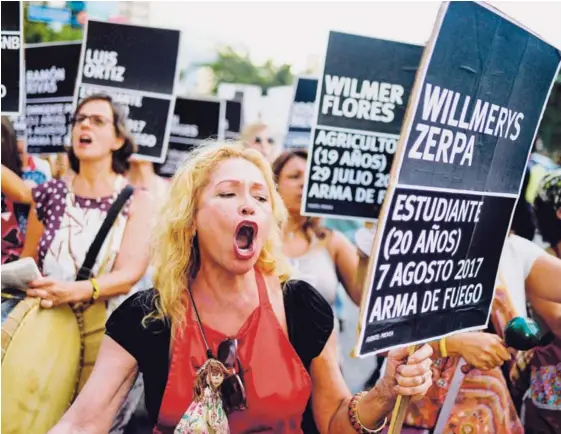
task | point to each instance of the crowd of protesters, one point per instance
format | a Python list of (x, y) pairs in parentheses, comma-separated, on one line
[(168, 258)]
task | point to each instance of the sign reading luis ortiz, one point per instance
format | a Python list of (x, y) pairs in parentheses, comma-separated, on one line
[(363, 94), (475, 109), (12, 58), (137, 66)]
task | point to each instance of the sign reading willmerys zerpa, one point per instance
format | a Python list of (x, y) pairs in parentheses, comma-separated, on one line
[(12, 58), (362, 99), (475, 108), (194, 121), (232, 123), (137, 66), (302, 114), (50, 80)]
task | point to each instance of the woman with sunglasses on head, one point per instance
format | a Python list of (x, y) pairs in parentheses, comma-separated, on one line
[(66, 216), (258, 136), (222, 292)]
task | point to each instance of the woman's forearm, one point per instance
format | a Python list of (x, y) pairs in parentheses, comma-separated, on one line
[(118, 282), (452, 344), (371, 410), (14, 187), (360, 279), (68, 428)]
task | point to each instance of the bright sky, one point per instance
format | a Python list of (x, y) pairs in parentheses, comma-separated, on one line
[(290, 31)]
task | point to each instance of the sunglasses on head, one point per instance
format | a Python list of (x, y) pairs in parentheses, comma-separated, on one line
[(270, 140), (232, 388)]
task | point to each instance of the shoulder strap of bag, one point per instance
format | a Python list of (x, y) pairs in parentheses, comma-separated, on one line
[(85, 271)]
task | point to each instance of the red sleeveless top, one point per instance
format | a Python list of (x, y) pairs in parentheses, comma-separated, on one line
[(277, 384)]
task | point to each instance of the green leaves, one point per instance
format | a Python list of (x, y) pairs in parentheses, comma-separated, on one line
[(233, 67)]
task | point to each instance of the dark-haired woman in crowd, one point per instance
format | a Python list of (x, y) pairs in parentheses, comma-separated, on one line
[(14, 191), (67, 214), (322, 257)]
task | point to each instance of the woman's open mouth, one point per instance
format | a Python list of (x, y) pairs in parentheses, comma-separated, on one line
[(246, 232), (85, 139)]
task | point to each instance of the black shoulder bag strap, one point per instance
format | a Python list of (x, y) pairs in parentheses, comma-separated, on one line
[(85, 272)]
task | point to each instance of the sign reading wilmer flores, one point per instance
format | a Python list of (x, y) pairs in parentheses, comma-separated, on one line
[(474, 114), (138, 66), (363, 96)]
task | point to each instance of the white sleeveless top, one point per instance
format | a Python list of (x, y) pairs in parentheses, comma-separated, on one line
[(318, 269)]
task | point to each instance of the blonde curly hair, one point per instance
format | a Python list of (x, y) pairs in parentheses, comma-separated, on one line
[(175, 256)]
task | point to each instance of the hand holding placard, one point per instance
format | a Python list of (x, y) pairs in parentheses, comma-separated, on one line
[(407, 375)]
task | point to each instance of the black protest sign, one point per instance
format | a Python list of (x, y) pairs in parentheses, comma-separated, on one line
[(232, 124), (12, 58), (363, 94), (194, 122), (138, 65), (302, 114), (147, 119), (130, 57), (474, 112), (11, 16), (50, 79)]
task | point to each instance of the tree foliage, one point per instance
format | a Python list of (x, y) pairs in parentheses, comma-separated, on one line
[(41, 32), (233, 67)]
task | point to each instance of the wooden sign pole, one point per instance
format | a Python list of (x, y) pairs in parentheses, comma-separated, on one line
[(400, 408)]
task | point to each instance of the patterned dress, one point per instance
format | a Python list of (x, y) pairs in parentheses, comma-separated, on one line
[(71, 223)]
